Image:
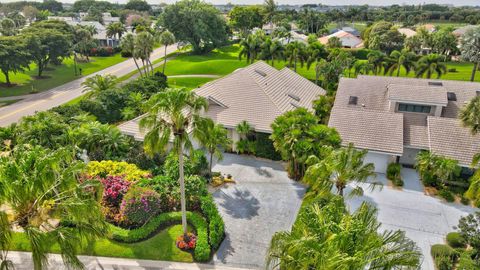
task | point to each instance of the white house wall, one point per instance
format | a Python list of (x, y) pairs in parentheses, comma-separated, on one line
[(379, 160)]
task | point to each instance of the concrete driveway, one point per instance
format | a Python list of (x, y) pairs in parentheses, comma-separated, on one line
[(263, 201), (425, 219)]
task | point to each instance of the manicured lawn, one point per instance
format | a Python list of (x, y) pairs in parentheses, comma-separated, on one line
[(56, 75), (160, 247), (189, 83), (8, 102)]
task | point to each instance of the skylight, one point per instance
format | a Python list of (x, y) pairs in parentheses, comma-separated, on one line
[(353, 100), (451, 96)]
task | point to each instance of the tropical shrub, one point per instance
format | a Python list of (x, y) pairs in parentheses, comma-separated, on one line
[(465, 262), (136, 155), (264, 147), (443, 263), (147, 85), (464, 200), (216, 227), (436, 170), (455, 240), (116, 168), (469, 228), (447, 195), (114, 188), (393, 170), (441, 250), (184, 244), (196, 163), (138, 206)]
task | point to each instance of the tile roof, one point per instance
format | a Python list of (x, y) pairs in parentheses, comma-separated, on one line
[(442, 135), (348, 40), (407, 32)]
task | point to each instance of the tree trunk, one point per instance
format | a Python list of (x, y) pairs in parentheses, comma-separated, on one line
[(165, 59), (211, 161), (273, 61), (7, 78), (40, 69), (138, 67), (182, 191), (398, 71), (474, 71)]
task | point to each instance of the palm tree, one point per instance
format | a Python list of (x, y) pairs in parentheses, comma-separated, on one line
[(128, 46), (470, 49), (99, 83), (377, 60), (44, 198), (399, 59), (144, 43), (470, 115), (272, 49), (116, 29), (341, 167), (166, 39), (296, 52), (326, 236), (430, 64), (244, 129), (362, 67), (270, 8), (315, 52), (171, 114), (213, 137), (250, 48)]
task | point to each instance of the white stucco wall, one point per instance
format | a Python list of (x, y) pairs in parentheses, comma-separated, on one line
[(379, 160)]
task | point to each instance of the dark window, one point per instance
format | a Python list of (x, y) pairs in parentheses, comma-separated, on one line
[(435, 83), (402, 107), (451, 96), (352, 100)]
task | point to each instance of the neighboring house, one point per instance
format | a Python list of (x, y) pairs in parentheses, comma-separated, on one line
[(459, 32), (407, 32), (347, 29), (395, 118), (257, 94), (108, 19), (348, 40), (65, 19), (430, 27), (101, 35)]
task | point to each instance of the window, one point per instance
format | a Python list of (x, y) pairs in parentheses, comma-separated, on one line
[(451, 96), (402, 107), (352, 100)]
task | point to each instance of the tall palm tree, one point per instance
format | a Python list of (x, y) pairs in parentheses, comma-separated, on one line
[(341, 167), (470, 115), (213, 137), (377, 60), (399, 59), (99, 83), (116, 29), (470, 49), (270, 8), (171, 114), (128, 46), (315, 52), (166, 39), (44, 198), (144, 42), (250, 47), (272, 49), (296, 52), (326, 236), (427, 65), (244, 129)]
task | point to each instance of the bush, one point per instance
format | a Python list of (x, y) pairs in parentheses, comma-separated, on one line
[(447, 195), (202, 249), (115, 168), (147, 85), (443, 263), (393, 171), (102, 51), (464, 200), (196, 163), (139, 205), (216, 227), (264, 147), (136, 155), (398, 182), (126, 54), (361, 54), (465, 262), (441, 250), (455, 240)]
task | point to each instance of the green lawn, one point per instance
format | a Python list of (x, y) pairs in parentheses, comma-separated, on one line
[(58, 75), (160, 247), (8, 102), (189, 83)]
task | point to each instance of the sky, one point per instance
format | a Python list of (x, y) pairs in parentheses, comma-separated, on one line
[(325, 2)]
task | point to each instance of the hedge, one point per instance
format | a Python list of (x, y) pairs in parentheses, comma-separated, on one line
[(216, 227), (455, 240), (264, 147), (202, 249)]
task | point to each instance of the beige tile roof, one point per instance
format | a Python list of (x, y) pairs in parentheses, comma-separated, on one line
[(257, 94), (422, 94), (407, 32), (442, 135), (369, 129), (449, 138), (347, 39)]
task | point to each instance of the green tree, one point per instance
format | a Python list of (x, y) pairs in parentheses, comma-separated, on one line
[(213, 137), (250, 48), (469, 228), (297, 135), (13, 56), (197, 23), (170, 114), (435, 169), (296, 52), (326, 236), (315, 52), (470, 115), (166, 39), (7, 27), (83, 42), (470, 49), (334, 43), (399, 59), (322, 106), (270, 10), (245, 18), (128, 46), (139, 5), (377, 61), (143, 49), (116, 29), (41, 186), (444, 42), (429, 64), (272, 49), (385, 37), (98, 83)]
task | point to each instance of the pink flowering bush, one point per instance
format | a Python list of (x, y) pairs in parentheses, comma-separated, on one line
[(138, 206), (114, 188)]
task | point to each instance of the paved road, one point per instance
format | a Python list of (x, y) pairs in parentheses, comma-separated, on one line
[(263, 201), (64, 93)]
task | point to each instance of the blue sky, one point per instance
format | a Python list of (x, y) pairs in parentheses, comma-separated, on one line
[(327, 2)]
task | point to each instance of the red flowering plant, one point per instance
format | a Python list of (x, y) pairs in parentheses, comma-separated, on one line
[(114, 187), (139, 205), (186, 243)]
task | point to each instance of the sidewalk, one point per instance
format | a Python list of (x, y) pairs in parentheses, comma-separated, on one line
[(23, 261)]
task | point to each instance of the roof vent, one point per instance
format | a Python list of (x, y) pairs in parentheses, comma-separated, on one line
[(295, 97), (294, 105), (261, 73), (352, 100), (451, 96), (435, 83)]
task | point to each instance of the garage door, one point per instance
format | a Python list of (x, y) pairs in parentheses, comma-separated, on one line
[(379, 160)]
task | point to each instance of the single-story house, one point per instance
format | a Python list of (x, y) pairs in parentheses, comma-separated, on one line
[(257, 94), (101, 35), (348, 40), (459, 32), (347, 29), (429, 27), (395, 118), (407, 32)]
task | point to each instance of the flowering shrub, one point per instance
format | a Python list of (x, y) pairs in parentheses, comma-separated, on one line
[(114, 168), (186, 245), (138, 206), (114, 187)]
